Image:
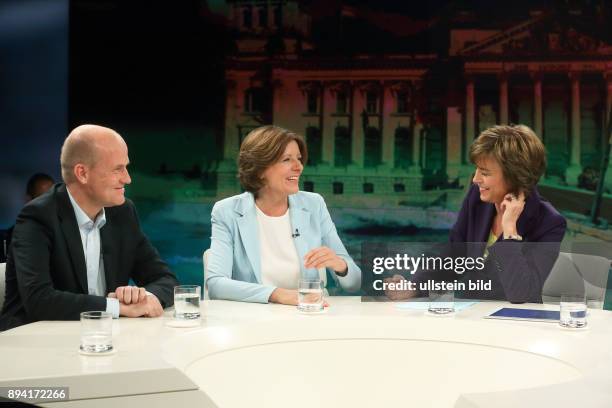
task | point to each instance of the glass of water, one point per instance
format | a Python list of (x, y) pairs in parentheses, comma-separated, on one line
[(441, 301), (96, 332), (573, 311), (187, 302), (310, 296)]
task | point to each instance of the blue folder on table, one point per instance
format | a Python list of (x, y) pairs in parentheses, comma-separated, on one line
[(536, 315)]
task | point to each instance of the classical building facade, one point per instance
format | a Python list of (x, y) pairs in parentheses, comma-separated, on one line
[(546, 75), (374, 128)]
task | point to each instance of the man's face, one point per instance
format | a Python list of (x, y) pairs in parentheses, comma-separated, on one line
[(109, 175)]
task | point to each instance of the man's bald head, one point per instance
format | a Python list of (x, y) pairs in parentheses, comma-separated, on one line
[(83, 145)]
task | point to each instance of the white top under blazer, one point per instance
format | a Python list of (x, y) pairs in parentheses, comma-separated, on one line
[(280, 264)]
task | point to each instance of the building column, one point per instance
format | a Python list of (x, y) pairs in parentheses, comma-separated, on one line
[(417, 129), (255, 16), (608, 116), (271, 17), (574, 169), (454, 167), (470, 118), (503, 99), (357, 135), (608, 113), (227, 183), (327, 125), (537, 105), (277, 99), (458, 164), (233, 107), (388, 134)]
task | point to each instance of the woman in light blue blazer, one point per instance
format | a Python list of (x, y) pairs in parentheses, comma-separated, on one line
[(264, 239)]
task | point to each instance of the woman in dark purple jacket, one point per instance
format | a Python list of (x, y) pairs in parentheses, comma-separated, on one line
[(521, 233), (504, 219)]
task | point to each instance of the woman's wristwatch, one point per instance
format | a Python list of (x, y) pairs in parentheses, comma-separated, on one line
[(514, 237)]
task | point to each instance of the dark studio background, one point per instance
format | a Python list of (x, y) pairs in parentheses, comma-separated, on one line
[(33, 95), (158, 72)]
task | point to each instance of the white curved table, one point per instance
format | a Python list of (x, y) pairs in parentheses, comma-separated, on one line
[(357, 354)]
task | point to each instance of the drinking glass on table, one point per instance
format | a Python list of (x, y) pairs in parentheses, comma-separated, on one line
[(96, 332), (310, 295), (187, 302), (573, 311), (441, 301)]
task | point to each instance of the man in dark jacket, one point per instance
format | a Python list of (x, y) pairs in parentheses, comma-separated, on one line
[(75, 248)]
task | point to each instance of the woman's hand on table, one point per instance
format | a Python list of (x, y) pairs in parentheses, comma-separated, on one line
[(289, 297), (398, 294), (284, 296)]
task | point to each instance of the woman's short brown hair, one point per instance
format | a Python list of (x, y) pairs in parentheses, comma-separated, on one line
[(262, 148), (519, 152)]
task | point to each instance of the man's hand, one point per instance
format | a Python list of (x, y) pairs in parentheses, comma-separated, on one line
[(129, 294), (398, 294), (154, 307), (148, 307)]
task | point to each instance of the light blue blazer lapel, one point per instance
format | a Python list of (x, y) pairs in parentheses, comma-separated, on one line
[(300, 221), (249, 233)]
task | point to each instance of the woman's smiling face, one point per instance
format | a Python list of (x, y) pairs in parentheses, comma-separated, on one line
[(284, 175), (489, 178)]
